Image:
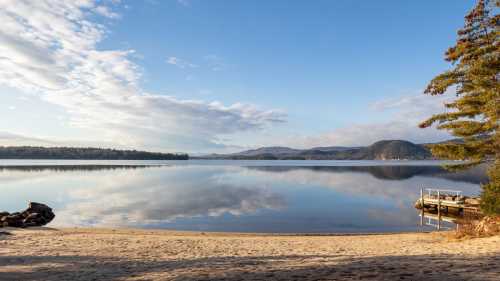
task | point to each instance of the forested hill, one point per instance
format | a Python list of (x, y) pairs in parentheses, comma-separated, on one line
[(382, 150), (88, 153)]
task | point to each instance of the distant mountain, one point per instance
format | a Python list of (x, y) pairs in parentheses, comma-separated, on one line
[(333, 148), (87, 153), (396, 149), (274, 150), (382, 150)]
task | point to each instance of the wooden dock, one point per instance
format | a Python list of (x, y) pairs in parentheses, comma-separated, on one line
[(441, 204), (445, 199)]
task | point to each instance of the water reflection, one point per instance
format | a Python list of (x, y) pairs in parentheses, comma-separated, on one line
[(232, 198), (475, 175), (438, 222), (379, 198), (69, 168)]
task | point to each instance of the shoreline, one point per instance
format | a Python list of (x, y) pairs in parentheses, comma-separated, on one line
[(128, 230), (143, 254)]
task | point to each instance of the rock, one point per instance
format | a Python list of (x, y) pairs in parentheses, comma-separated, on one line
[(37, 214), (14, 220)]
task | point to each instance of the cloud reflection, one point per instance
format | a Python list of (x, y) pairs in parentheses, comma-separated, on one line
[(389, 192), (232, 198), (161, 196)]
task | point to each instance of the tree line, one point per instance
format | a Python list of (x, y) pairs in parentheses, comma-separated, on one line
[(84, 153)]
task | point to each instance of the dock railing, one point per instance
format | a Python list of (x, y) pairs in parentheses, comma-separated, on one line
[(447, 196), (434, 192)]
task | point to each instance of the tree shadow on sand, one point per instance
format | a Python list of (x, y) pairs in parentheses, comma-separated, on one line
[(317, 267)]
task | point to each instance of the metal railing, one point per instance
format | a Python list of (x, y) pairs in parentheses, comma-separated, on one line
[(434, 191)]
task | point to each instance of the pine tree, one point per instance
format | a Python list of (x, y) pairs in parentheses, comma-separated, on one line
[(473, 115)]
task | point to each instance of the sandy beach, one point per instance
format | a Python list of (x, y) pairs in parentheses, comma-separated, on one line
[(106, 254)]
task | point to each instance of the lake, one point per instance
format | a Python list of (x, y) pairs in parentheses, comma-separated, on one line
[(236, 196)]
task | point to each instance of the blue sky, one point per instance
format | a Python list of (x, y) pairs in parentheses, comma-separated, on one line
[(218, 76)]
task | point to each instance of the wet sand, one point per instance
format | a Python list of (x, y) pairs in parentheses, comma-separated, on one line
[(125, 254)]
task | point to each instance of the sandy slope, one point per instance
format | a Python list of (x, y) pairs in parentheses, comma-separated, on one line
[(97, 254)]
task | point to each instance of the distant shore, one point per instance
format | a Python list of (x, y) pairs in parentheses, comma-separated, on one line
[(129, 254)]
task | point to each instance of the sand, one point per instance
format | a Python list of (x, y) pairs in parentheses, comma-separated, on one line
[(105, 254)]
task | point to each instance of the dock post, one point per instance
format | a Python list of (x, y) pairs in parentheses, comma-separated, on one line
[(422, 205), (439, 210)]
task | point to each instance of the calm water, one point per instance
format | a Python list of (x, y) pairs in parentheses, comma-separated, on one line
[(243, 196)]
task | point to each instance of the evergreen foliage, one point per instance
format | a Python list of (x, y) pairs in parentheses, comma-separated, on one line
[(473, 115), (83, 153)]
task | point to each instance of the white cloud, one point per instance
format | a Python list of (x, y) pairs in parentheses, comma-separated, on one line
[(409, 112), (15, 139), (414, 107), (404, 115), (7, 139), (366, 134), (180, 63), (105, 11), (49, 47)]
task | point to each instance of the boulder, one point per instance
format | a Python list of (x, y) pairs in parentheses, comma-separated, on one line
[(37, 214)]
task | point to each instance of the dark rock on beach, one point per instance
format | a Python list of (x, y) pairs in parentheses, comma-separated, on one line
[(37, 214)]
